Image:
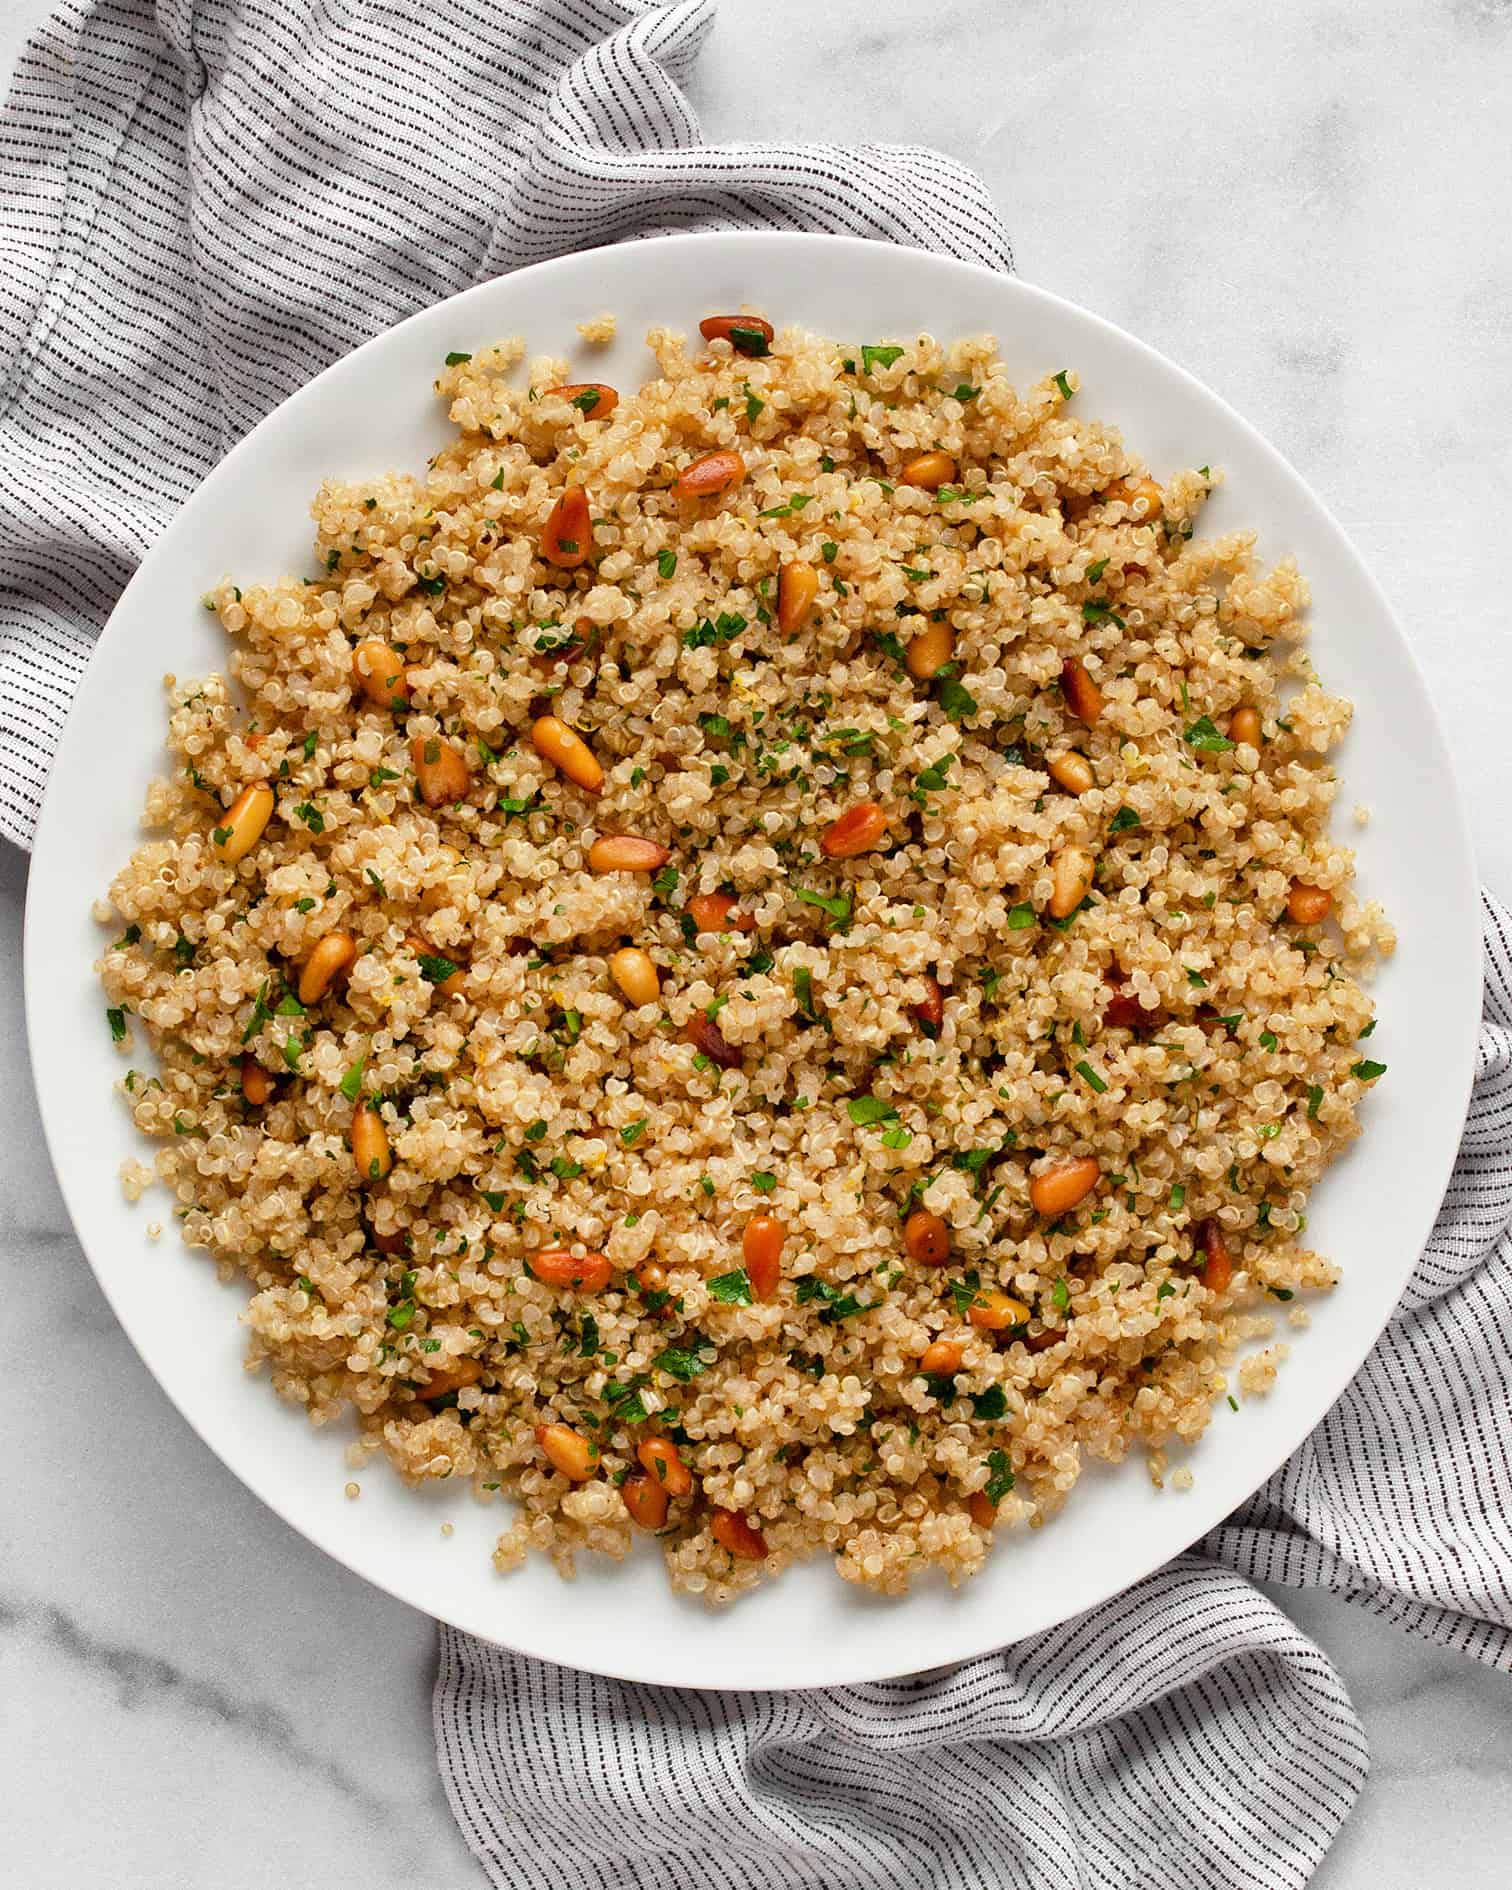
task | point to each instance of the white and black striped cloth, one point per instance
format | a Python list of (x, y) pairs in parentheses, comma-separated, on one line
[(200, 206)]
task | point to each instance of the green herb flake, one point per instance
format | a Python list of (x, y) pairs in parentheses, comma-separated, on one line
[(1063, 384), (1001, 1480), (1123, 820), (762, 1182), (837, 907), (875, 357), (116, 1018), (1095, 571), (351, 1083), (436, 969), (990, 1404), (1367, 1071), (732, 1289), (666, 563), (1177, 1199), (867, 1111), (1314, 1100), (1268, 1040), (1204, 736), (632, 1131), (1090, 1076), (1021, 918), (956, 699), (1061, 1294), (455, 359), (682, 1363)]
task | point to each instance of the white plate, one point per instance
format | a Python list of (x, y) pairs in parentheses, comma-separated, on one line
[(375, 410)]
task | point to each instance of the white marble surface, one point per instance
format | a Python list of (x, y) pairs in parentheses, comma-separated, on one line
[(1303, 202)]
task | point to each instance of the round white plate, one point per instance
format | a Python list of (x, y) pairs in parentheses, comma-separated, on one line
[(375, 410)]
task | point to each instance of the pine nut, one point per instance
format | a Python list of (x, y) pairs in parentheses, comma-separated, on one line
[(1070, 880), (1134, 493), (717, 912), (1071, 770), (761, 1248), (567, 752), (1308, 905), (257, 1084), (1244, 726), (378, 672), (370, 1143), (558, 1266), (858, 830), (240, 828), (1218, 1268), (440, 771), (928, 470), (567, 537), (329, 957), (646, 1501), (449, 1378), (449, 987), (566, 1451), (626, 853), (930, 651), (1083, 697), (1057, 1190), (634, 971), (592, 399), (942, 1359), (746, 334), (709, 476), (993, 1311), (659, 1459), (931, 1013), (981, 1509), (710, 1041), (926, 1238), (797, 587), (731, 1531)]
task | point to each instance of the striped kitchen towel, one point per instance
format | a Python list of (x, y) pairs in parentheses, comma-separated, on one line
[(201, 205)]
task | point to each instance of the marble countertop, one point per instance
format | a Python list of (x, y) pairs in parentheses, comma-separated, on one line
[(1303, 204)]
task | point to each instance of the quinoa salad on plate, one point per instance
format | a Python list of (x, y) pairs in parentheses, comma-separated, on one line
[(758, 961)]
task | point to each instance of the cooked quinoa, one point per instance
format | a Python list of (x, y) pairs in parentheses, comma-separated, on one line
[(990, 981)]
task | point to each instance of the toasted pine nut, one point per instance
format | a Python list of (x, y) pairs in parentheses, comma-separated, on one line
[(710, 1041), (717, 912), (378, 672), (329, 957), (646, 1501), (634, 971), (1083, 697), (452, 1377), (449, 987), (731, 1531), (1244, 726), (240, 828), (993, 1311), (556, 1266), (257, 1084), (1070, 770), (1308, 905), (660, 1461), (441, 772), (709, 476), (652, 1276), (761, 1248), (930, 651), (370, 1143), (567, 536), (858, 830), (1131, 492), (929, 470), (746, 334), (1070, 880), (567, 752), (566, 1451), (931, 1013), (942, 1359), (797, 587), (981, 1509), (592, 399), (926, 1238), (1057, 1190), (626, 853), (1218, 1269)]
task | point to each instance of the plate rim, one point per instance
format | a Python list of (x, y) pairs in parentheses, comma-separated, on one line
[(1458, 1066)]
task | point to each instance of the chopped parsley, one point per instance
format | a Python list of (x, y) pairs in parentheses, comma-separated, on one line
[(867, 1111), (1366, 1070), (436, 969), (837, 907), (875, 357), (683, 1363), (631, 1133), (1021, 918), (990, 1403), (1001, 1480), (956, 699), (116, 1018), (666, 563), (455, 359), (1203, 735), (351, 1083), (762, 1182), (311, 816), (731, 1289), (1063, 384), (1123, 820)]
